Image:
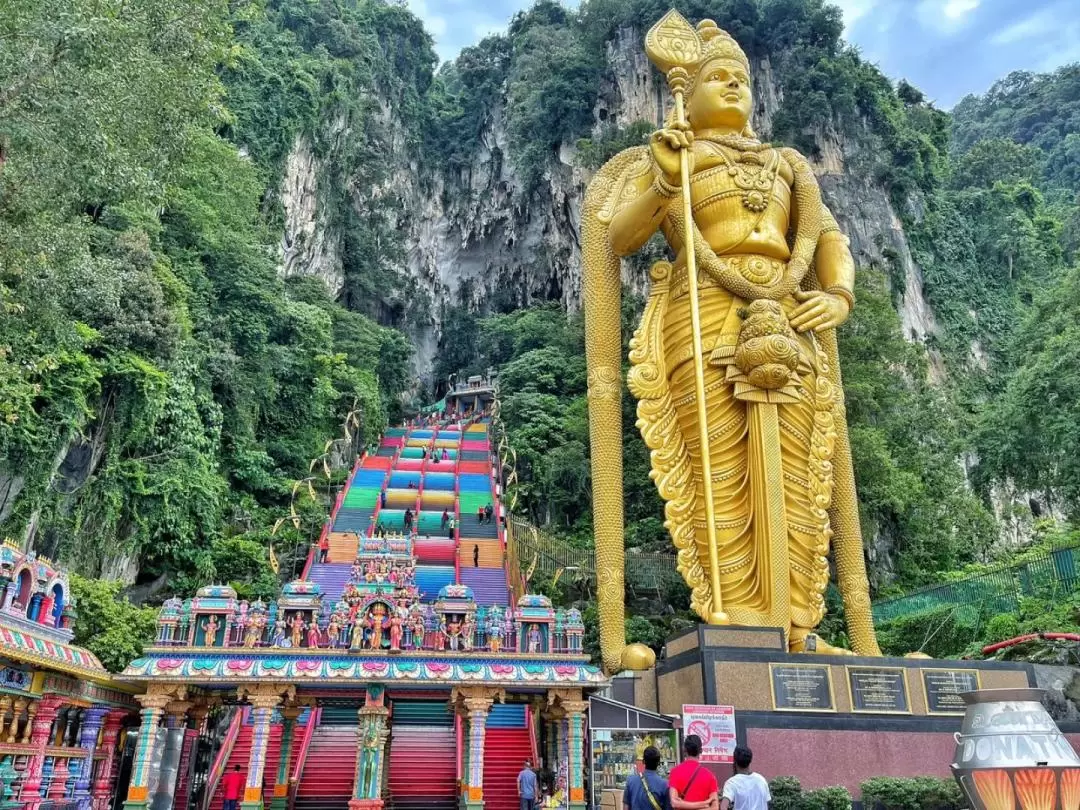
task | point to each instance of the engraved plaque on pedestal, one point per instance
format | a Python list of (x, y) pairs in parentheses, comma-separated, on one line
[(802, 687), (943, 688), (878, 690)]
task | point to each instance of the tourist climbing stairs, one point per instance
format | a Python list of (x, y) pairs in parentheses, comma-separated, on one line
[(326, 781), (423, 756), (241, 753), (507, 744)]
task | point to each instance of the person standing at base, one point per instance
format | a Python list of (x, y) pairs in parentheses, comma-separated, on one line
[(232, 786), (648, 790), (745, 790), (526, 784), (692, 786), (451, 525), (324, 548)]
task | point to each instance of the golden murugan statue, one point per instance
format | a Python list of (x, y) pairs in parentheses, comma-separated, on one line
[(734, 365)]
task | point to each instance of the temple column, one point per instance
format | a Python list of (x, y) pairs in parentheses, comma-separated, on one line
[(262, 709), (371, 740), (92, 720), (28, 726), (575, 716), (5, 707), (478, 710), (39, 723), (153, 707), (110, 733), (289, 716), (463, 787)]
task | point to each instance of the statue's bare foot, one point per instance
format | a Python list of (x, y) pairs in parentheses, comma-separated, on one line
[(637, 657), (811, 643)]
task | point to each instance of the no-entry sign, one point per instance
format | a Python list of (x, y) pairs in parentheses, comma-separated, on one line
[(715, 725)]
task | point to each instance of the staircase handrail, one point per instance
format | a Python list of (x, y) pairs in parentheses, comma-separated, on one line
[(314, 717), (310, 561), (217, 769)]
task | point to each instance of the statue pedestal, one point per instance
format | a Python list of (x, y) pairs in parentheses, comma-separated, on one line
[(873, 716)]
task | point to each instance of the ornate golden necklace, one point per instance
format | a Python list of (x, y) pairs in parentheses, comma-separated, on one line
[(753, 172)]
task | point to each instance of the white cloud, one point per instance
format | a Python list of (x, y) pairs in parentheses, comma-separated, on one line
[(1034, 26), (945, 16), (434, 23), (854, 9), (955, 9)]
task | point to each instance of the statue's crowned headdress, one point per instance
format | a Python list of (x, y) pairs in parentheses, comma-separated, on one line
[(673, 42), (716, 43)]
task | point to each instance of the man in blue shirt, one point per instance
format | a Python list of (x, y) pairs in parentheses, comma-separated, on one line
[(648, 790), (527, 787)]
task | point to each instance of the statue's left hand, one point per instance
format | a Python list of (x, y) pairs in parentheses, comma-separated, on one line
[(818, 310)]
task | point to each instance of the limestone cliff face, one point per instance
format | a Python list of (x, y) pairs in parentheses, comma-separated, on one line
[(478, 239)]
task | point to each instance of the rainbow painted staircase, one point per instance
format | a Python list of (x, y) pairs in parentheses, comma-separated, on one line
[(423, 756), (430, 470), (507, 744), (326, 781)]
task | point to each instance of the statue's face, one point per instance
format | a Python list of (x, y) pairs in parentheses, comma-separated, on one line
[(721, 97)]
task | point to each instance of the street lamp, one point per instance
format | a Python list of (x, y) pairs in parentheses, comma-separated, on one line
[(1010, 751)]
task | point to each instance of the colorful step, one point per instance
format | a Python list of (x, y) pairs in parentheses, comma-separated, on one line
[(423, 757), (488, 585)]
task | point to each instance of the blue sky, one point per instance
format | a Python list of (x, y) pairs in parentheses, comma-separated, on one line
[(947, 48)]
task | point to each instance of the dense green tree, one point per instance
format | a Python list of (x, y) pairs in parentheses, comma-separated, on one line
[(108, 624)]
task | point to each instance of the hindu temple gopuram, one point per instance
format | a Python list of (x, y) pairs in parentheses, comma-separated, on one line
[(406, 664)]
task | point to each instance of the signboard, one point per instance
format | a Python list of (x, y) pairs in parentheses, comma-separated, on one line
[(943, 688), (715, 725), (878, 690), (802, 687)]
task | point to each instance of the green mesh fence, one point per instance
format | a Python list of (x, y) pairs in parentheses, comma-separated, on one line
[(1048, 575)]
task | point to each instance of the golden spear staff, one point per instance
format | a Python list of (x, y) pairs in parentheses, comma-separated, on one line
[(674, 46)]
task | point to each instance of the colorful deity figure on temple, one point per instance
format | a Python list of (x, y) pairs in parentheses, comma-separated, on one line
[(313, 632), (333, 630), (297, 626), (356, 642), (210, 628), (241, 622), (396, 623), (254, 630), (376, 622), (440, 635), (417, 626), (453, 632), (495, 630), (278, 639), (468, 628), (534, 638), (509, 630)]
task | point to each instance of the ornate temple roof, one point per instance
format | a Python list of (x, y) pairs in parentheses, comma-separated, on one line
[(31, 648), (216, 592)]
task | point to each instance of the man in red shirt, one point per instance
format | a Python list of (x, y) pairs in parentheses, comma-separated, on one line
[(324, 548), (692, 786), (232, 786)]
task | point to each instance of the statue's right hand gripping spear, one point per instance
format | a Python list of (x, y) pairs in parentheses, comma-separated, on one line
[(674, 47)]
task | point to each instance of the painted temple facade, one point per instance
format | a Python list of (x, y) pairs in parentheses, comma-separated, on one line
[(405, 664), (63, 721)]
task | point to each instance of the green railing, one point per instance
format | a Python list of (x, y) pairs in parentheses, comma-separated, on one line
[(1046, 575)]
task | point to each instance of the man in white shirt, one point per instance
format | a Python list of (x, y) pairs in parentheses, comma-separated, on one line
[(745, 790)]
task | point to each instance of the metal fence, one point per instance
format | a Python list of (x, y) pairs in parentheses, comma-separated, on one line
[(1047, 575)]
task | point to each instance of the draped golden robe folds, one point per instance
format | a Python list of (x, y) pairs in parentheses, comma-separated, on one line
[(742, 259)]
